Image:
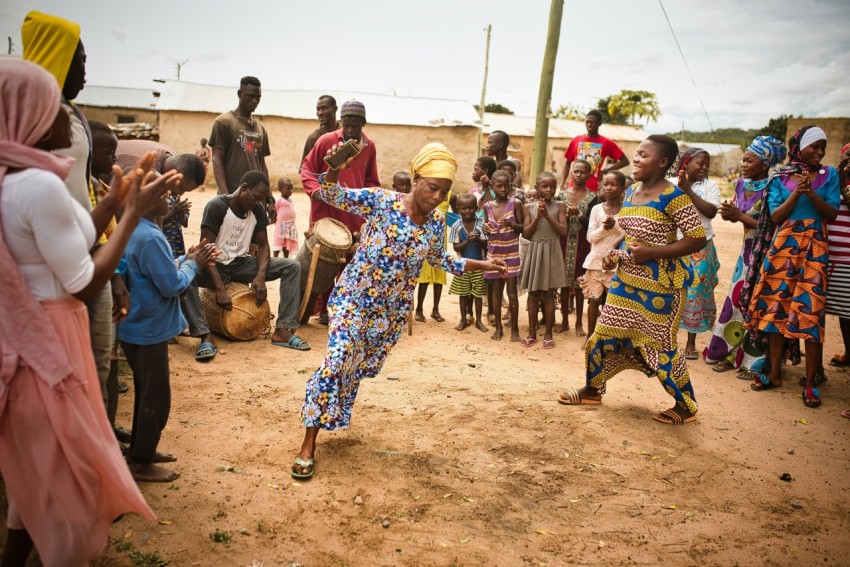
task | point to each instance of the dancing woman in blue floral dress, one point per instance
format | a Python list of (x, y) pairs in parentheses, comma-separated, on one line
[(370, 303)]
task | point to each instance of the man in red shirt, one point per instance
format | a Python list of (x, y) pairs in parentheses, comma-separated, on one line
[(363, 171), (595, 150)]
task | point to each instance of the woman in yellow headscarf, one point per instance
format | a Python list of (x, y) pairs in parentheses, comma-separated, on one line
[(370, 304)]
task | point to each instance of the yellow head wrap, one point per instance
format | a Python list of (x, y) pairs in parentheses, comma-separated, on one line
[(434, 160), (50, 42)]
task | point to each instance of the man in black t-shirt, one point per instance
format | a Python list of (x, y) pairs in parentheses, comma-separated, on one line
[(234, 222)]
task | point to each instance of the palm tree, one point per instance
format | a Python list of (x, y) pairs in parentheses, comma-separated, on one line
[(641, 104)]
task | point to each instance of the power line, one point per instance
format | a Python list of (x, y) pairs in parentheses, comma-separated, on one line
[(691, 75)]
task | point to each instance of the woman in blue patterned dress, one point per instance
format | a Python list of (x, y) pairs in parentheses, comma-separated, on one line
[(370, 303), (731, 346)]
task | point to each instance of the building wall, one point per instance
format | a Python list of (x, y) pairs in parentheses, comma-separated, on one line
[(837, 134), (109, 115), (396, 145)]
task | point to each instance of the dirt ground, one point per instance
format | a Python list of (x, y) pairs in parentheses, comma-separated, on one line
[(465, 458)]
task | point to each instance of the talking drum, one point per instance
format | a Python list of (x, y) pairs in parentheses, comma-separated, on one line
[(332, 240), (245, 321)]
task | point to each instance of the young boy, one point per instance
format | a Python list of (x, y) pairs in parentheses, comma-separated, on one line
[(401, 182), (155, 283), (482, 172), (467, 235), (177, 217)]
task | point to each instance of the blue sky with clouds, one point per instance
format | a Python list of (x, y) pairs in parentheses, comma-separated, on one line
[(752, 59)]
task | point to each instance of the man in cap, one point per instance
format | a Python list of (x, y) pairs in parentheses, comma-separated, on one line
[(362, 172)]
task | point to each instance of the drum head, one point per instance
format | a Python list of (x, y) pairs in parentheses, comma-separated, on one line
[(332, 234)]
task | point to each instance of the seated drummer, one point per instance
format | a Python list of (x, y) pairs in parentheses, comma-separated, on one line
[(234, 222)]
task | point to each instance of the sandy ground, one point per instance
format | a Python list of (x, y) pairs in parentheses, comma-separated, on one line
[(467, 459)]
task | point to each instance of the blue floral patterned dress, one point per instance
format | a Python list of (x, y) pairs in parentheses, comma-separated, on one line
[(370, 303)]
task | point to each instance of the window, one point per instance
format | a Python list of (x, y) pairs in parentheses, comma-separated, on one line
[(126, 119)]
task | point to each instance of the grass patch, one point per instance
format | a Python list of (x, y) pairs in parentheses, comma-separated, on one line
[(219, 536), (147, 559)]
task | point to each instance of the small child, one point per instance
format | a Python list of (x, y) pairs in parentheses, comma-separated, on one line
[(401, 182), (579, 202), (543, 267), (285, 232), (482, 173), (509, 167), (604, 236), (467, 235), (503, 223), (155, 283)]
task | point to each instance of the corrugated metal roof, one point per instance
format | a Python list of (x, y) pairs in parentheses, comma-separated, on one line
[(380, 109), (120, 97), (558, 128)]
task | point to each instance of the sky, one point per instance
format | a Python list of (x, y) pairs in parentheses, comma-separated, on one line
[(751, 59)]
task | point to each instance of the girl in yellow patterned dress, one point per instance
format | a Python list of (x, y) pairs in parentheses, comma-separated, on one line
[(638, 324)]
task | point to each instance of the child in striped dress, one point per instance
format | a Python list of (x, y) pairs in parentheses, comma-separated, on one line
[(502, 225)]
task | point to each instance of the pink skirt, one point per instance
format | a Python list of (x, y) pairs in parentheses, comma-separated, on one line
[(66, 480)]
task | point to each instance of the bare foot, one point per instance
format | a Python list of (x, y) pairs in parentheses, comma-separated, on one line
[(419, 316), (462, 325), (565, 326), (580, 331), (163, 457), (481, 326), (497, 334), (435, 315), (515, 336), (152, 473)]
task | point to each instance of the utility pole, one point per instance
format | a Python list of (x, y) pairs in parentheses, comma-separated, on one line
[(484, 89), (179, 66), (544, 96)]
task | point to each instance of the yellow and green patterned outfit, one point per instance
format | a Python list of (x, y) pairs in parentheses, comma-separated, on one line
[(637, 327)]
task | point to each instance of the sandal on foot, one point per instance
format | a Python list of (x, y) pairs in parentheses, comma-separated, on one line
[(528, 342), (671, 417), (723, 366), (763, 383), (820, 378), (295, 342), (845, 414), (303, 464), (548, 343), (573, 398), (840, 360), (811, 397), (691, 355), (206, 351)]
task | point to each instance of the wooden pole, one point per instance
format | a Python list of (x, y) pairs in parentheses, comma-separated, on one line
[(544, 96), (482, 102)]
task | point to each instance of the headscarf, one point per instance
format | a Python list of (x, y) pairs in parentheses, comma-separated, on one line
[(845, 148), (434, 160), (685, 158), (806, 135), (31, 100), (768, 150), (50, 41)]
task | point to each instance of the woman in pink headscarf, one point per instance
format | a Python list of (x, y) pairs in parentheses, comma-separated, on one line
[(65, 477)]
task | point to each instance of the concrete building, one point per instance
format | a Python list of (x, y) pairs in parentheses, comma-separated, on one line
[(723, 156), (118, 105), (399, 126), (837, 134)]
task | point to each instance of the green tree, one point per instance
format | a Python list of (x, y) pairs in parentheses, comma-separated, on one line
[(496, 108), (569, 111), (602, 107), (632, 104), (777, 127)]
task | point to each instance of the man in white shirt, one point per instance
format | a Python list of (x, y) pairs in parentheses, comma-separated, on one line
[(234, 222)]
